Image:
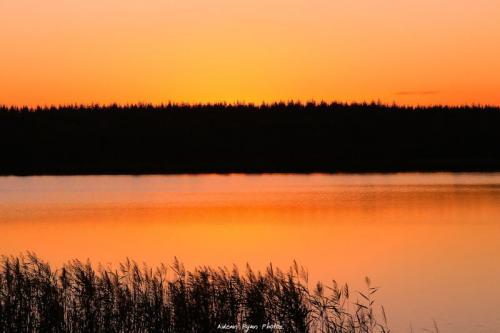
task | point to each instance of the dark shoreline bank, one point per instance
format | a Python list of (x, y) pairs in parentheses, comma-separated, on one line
[(277, 138), (449, 168)]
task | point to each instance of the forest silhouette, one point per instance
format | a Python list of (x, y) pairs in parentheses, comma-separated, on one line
[(226, 138)]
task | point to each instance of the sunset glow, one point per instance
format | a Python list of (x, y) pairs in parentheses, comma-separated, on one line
[(94, 51)]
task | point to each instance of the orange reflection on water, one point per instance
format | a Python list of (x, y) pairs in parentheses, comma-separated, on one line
[(431, 241)]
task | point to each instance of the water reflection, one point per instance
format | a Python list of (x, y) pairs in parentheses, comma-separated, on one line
[(431, 240)]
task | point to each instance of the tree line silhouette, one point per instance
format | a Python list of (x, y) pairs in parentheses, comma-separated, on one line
[(224, 138)]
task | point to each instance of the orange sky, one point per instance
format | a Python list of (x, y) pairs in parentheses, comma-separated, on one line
[(126, 51)]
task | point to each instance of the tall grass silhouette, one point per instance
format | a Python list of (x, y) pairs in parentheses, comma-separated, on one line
[(79, 298)]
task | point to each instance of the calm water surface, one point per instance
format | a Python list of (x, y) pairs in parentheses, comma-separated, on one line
[(431, 241)]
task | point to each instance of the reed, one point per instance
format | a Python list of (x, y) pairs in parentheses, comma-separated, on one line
[(131, 298)]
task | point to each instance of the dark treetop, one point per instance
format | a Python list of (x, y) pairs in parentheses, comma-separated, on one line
[(220, 138)]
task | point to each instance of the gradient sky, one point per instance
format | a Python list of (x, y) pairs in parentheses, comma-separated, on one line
[(126, 51)]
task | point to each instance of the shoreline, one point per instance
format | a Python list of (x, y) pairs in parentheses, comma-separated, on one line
[(483, 168), (223, 139)]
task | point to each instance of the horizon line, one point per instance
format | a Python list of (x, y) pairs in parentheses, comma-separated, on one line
[(307, 103)]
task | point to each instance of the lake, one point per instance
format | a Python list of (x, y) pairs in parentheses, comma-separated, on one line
[(430, 241)]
